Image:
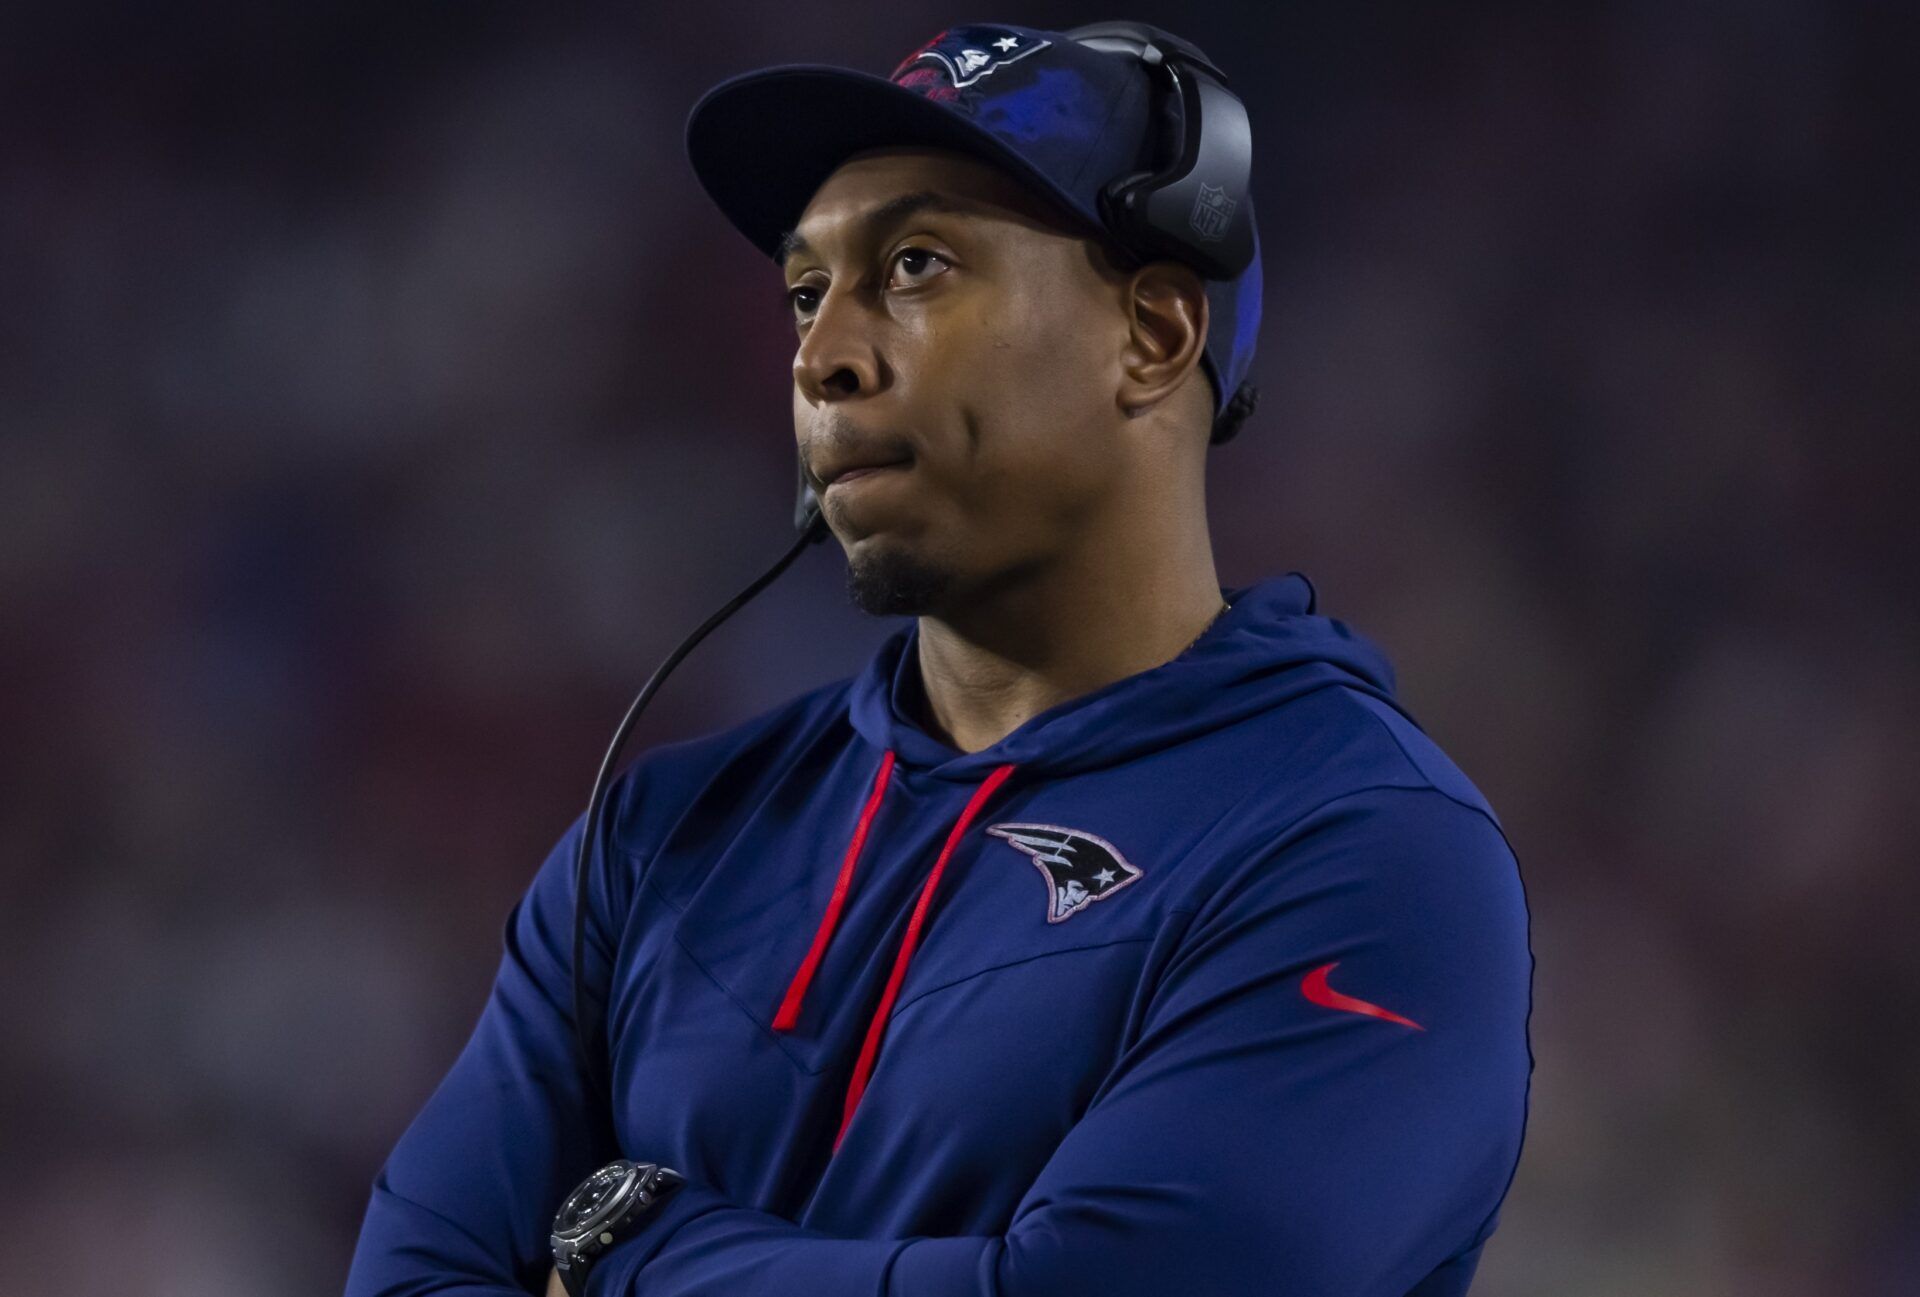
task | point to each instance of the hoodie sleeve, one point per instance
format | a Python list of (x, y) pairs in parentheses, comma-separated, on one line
[(465, 1201), (1326, 1096)]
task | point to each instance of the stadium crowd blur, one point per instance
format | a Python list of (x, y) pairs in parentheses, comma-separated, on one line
[(381, 400)]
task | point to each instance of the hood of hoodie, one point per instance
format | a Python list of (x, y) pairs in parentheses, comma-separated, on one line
[(1268, 647)]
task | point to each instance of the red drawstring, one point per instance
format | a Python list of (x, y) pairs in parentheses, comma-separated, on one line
[(877, 1028), (797, 990)]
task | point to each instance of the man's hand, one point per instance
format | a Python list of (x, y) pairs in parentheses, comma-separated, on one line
[(554, 1287)]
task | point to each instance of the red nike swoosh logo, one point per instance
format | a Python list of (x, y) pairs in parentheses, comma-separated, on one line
[(1314, 987)]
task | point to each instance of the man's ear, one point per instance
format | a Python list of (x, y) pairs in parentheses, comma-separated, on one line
[(1166, 302)]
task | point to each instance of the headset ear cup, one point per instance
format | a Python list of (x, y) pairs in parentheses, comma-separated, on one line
[(1208, 224), (1191, 203)]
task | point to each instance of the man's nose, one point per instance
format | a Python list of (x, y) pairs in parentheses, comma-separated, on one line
[(837, 356)]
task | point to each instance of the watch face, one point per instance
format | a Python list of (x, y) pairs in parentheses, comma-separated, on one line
[(600, 1197)]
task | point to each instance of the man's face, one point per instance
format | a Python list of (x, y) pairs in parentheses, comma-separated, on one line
[(975, 344)]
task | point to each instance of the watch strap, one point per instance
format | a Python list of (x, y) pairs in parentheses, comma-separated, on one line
[(574, 1277)]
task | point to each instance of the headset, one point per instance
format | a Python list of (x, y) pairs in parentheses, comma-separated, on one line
[(1202, 125)]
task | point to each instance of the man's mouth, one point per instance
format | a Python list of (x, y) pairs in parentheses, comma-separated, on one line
[(860, 474)]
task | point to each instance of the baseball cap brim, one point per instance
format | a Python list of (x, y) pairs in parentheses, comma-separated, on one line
[(762, 143)]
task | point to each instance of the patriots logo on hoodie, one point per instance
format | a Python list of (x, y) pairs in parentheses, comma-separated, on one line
[(1080, 868)]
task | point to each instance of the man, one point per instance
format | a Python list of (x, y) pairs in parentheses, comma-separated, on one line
[(1112, 929)]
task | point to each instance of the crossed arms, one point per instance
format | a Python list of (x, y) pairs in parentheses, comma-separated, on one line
[(1250, 1140)]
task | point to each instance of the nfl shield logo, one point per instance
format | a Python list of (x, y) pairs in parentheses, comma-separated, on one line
[(1211, 212)]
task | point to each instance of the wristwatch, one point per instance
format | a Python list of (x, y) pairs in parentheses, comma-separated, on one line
[(608, 1206)]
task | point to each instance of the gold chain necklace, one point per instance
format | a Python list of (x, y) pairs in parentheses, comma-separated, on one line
[(1224, 607)]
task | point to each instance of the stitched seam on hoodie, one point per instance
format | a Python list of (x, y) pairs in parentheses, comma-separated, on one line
[(1427, 781), (765, 1028), (922, 994)]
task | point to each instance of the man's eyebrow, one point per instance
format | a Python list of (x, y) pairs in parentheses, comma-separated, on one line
[(894, 209)]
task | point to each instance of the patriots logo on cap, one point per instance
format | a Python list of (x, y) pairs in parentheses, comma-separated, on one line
[(969, 53), (1079, 867)]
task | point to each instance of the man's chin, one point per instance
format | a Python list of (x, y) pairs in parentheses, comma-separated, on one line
[(884, 581)]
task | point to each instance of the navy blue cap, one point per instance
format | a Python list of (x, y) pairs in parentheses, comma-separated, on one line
[(1059, 115)]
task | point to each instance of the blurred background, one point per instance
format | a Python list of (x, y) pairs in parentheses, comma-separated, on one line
[(381, 400)]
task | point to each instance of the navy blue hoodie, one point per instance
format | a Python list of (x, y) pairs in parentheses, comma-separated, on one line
[(1217, 977)]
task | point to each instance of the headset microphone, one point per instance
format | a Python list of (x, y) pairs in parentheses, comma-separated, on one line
[(813, 529)]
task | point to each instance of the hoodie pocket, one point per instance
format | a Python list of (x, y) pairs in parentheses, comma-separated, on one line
[(995, 912)]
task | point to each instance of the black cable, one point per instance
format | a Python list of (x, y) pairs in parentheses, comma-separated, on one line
[(814, 531)]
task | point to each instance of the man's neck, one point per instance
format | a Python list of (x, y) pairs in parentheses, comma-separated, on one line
[(1037, 643)]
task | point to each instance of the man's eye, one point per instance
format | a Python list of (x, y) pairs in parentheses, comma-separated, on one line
[(900, 258), (804, 299)]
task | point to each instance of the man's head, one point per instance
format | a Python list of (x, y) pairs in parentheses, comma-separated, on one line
[(1030, 385), (952, 239)]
